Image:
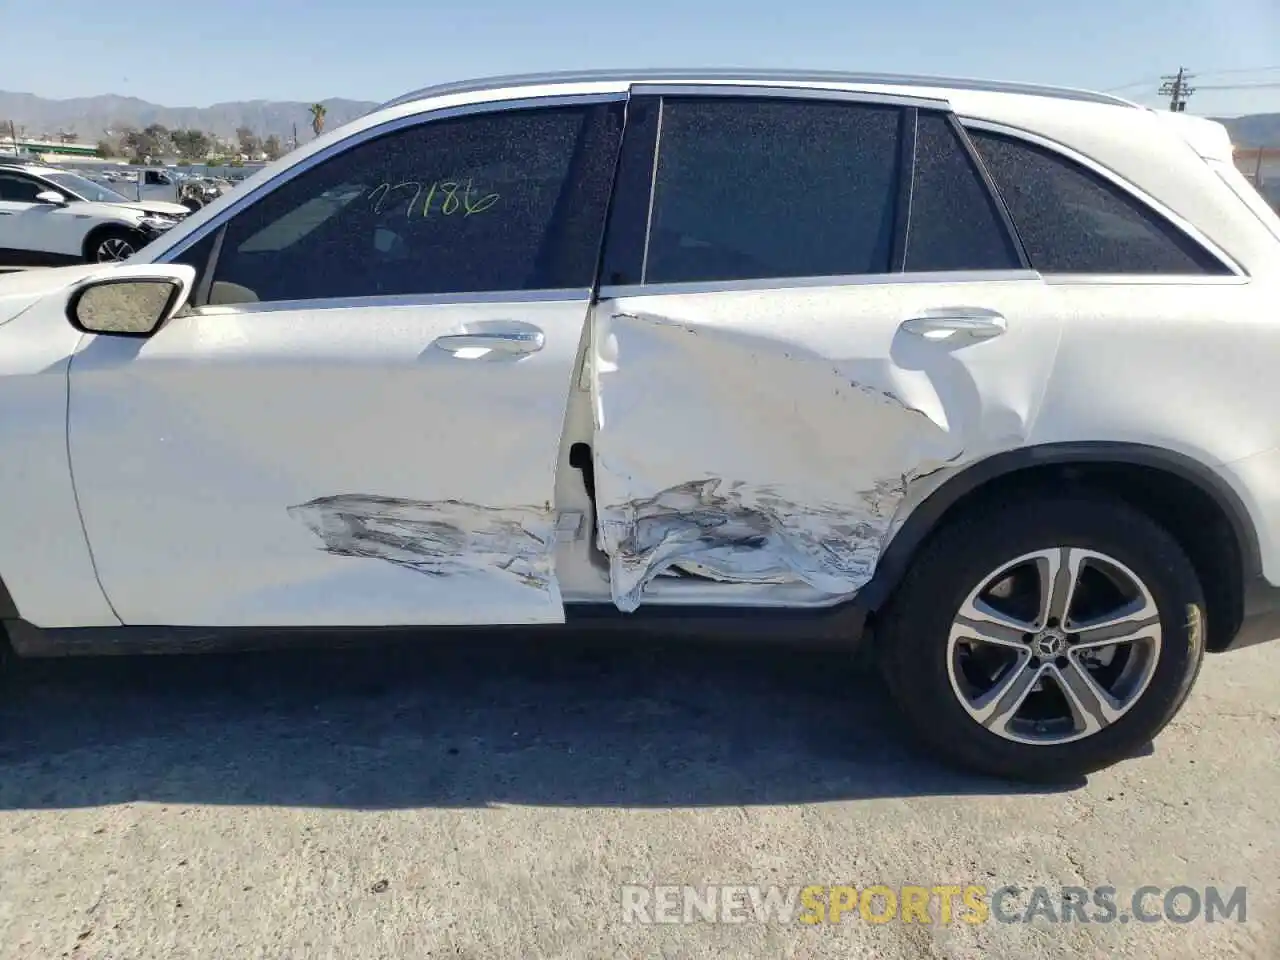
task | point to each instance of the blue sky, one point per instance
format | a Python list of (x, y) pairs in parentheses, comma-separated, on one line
[(376, 49)]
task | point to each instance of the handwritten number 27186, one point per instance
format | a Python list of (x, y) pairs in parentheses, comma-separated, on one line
[(454, 197)]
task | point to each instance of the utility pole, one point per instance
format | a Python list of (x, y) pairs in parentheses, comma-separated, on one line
[(1178, 89)]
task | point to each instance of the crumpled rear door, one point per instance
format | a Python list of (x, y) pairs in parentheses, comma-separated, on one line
[(810, 301), (770, 436)]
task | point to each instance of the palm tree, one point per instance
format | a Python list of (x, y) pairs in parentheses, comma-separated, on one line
[(317, 117)]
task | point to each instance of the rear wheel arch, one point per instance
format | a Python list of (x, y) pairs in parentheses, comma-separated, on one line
[(1193, 502)]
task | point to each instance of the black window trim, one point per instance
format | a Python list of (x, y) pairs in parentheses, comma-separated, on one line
[(1154, 207), (906, 190), (255, 194), (626, 228), (993, 194)]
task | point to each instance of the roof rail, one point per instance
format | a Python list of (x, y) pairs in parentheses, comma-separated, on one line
[(791, 76)]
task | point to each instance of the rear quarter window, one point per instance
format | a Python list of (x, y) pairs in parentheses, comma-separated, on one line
[(1071, 220)]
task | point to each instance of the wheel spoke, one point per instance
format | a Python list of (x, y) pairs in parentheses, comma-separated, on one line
[(978, 620), (997, 660), (1059, 571), (1092, 708), (1137, 621), (995, 708)]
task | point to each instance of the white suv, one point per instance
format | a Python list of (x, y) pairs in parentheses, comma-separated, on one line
[(50, 217), (984, 373)]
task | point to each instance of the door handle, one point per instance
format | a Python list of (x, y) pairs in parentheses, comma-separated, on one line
[(957, 324), (507, 341)]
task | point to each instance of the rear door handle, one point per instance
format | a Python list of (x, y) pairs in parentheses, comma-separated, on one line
[(506, 341), (959, 323)]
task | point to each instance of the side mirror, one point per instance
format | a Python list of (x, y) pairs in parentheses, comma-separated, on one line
[(52, 197), (133, 301)]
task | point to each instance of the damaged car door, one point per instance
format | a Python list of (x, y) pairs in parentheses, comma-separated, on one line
[(357, 420), (811, 301)]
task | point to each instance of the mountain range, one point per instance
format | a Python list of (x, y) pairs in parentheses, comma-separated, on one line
[(90, 117), (1254, 130)]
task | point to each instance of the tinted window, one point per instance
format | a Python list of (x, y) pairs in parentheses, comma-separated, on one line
[(772, 188), (496, 202), (954, 223), (18, 189), (197, 256), (1073, 221)]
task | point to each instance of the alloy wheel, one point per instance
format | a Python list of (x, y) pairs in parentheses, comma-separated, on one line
[(114, 248), (1054, 646)]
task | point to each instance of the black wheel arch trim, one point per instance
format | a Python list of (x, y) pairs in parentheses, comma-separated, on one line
[(925, 518)]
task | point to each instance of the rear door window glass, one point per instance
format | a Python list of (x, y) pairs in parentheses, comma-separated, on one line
[(772, 188)]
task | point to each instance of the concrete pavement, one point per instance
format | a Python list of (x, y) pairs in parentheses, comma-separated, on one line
[(487, 800)]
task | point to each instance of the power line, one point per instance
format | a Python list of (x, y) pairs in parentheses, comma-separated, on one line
[(1238, 70), (1151, 81), (1177, 87), (1265, 85)]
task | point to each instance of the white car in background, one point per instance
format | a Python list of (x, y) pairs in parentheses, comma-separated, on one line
[(52, 217), (982, 374)]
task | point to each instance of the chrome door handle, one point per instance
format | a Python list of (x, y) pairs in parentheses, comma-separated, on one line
[(512, 341), (958, 324)]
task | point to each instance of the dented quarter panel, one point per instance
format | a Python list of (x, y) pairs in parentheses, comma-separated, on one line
[(770, 436)]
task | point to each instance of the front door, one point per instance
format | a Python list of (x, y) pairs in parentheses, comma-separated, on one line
[(358, 424), (28, 226), (785, 357)]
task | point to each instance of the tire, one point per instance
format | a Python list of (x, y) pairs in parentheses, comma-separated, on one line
[(100, 244), (192, 204), (930, 661)]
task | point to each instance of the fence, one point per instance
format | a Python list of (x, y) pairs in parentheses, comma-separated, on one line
[(1261, 165)]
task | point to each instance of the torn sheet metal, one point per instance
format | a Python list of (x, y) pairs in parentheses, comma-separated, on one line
[(739, 533), (444, 538), (756, 459)]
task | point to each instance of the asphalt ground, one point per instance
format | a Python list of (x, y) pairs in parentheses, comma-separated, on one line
[(492, 798)]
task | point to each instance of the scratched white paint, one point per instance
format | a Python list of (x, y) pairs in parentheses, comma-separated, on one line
[(770, 436), (740, 533), (190, 448), (446, 539)]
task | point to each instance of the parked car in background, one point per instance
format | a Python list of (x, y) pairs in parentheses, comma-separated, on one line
[(981, 374), (50, 217), (77, 186)]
